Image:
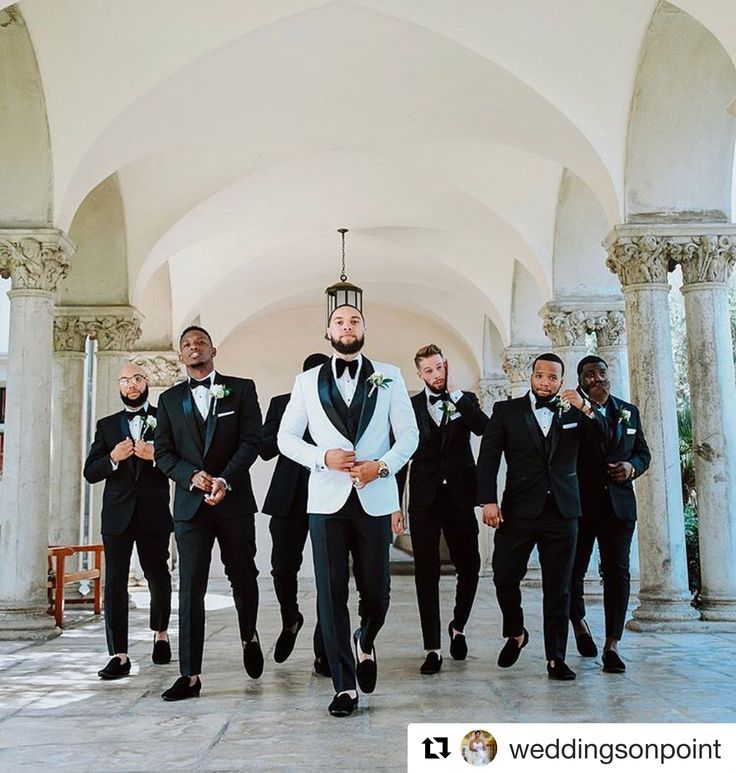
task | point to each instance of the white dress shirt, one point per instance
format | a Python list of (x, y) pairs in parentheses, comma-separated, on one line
[(543, 415), (136, 427), (202, 396), (435, 409), (345, 383)]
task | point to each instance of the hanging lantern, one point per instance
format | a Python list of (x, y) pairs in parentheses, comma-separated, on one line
[(343, 293)]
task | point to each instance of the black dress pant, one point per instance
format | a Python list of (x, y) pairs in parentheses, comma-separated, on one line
[(460, 527), (153, 552), (614, 544), (555, 538), (195, 539), (350, 531), (288, 537)]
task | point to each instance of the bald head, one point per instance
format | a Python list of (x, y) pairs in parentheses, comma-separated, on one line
[(133, 385)]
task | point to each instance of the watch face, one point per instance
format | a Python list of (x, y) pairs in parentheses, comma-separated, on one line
[(383, 472)]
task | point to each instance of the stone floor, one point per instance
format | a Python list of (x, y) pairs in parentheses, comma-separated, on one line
[(56, 714)]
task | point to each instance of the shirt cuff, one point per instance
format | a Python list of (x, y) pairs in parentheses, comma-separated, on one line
[(228, 487), (114, 465), (320, 463), (456, 395)]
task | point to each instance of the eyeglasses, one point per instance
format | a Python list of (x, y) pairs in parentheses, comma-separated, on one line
[(132, 381)]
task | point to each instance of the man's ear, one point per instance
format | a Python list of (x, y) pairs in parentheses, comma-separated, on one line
[(180, 358), (214, 352)]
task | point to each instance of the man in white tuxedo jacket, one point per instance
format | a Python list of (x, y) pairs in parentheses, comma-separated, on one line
[(350, 405)]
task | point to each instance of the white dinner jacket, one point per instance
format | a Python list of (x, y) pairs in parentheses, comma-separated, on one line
[(329, 489)]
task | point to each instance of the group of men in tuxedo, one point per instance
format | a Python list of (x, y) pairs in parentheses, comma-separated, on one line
[(342, 437)]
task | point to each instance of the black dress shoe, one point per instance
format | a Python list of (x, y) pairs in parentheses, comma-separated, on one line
[(612, 663), (458, 645), (286, 641), (115, 669), (366, 671), (561, 672), (161, 654), (511, 651), (322, 667), (181, 690), (343, 705), (432, 664), (585, 644), (253, 658)]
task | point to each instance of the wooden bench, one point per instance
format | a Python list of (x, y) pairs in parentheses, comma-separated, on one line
[(59, 576)]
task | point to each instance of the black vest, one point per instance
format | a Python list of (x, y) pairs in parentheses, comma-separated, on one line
[(350, 415)]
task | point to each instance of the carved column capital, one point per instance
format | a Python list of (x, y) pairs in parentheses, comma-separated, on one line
[(564, 326), (568, 322), (517, 363), (493, 389), (34, 258), (612, 329), (162, 368), (707, 257), (70, 333), (115, 328)]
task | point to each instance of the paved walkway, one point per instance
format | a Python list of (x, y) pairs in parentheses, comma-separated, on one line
[(56, 714)]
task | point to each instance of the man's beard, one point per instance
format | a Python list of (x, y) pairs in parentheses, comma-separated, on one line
[(140, 400), (439, 391), (352, 348)]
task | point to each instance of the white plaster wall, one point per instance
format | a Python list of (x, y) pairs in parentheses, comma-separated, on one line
[(272, 348)]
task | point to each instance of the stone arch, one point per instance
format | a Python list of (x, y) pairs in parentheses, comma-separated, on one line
[(25, 149), (680, 143)]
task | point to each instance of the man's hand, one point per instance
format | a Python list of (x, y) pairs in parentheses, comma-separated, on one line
[(397, 523), (492, 516), (217, 494), (364, 473), (203, 481), (450, 384), (144, 450), (337, 459), (123, 450), (573, 397), (620, 471)]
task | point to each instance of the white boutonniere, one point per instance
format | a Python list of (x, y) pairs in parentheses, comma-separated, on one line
[(378, 381), (150, 422), (218, 391), (448, 408), (624, 416), (561, 406)]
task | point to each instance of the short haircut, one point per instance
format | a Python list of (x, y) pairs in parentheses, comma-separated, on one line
[(342, 306), (549, 357), (591, 358), (197, 328), (426, 351), (314, 360)]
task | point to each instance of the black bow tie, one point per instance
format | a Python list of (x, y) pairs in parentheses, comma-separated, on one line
[(444, 396), (193, 383), (546, 402), (341, 365), (140, 412)]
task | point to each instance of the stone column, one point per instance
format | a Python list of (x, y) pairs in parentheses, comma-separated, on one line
[(517, 365), (67, 425), (490, 390), (116, 329), (35, 260), (707, 255), (610, 331), (640, 260)]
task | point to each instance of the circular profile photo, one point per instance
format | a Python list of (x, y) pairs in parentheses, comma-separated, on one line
[(478, 748)]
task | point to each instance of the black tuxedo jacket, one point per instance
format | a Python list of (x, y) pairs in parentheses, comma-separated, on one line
[(226, 447), (135, 486), (288, 489), (444, 453), (623, 441), (535, 465)]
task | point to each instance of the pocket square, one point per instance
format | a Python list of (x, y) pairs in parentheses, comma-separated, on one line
[(569, 426), (631, 431), (226, 413)]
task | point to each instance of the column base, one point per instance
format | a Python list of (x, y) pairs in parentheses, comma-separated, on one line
[(718, 610), (661, 615), (27, 625)]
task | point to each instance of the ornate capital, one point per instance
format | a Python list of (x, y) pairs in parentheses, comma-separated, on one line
[(34, 259), (568, 322), (492, 390), (517, 363), (564, 327), (162, 368), (612, 329), (704, 258), (70, 333), (115, 333)]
